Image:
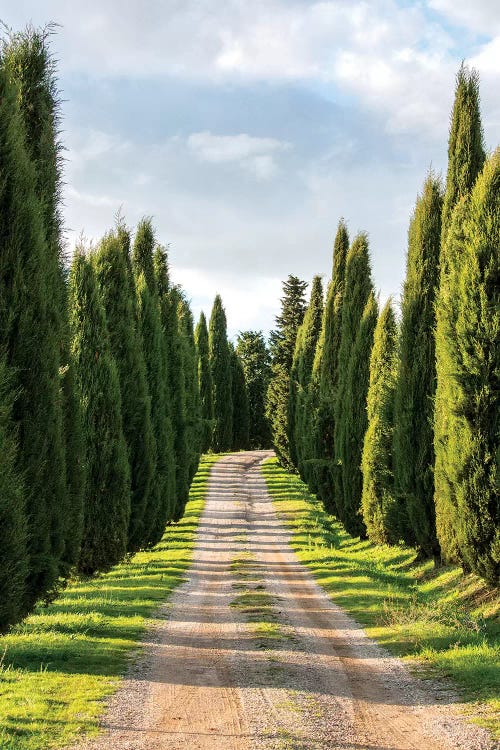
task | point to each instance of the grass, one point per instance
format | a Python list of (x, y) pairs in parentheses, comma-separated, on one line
[(446, 623), (58, 666)]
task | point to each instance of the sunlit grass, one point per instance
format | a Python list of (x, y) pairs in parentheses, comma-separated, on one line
[(448, 623), (57, 666)]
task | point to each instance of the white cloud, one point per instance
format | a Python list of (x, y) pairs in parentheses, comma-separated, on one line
[(255, 155), (481, 16)]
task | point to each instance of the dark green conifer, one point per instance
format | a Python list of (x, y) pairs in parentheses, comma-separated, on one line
[(220, 366), (468, 355), (379, 505), (239, 397), (107, 496), (255, 359), (117, 289), (205, 382), (416, 382)]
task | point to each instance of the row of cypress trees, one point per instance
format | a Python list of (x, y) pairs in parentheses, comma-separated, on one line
[(100, 410), (395, 423)]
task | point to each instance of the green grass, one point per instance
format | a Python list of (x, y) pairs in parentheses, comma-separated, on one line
[(58, 666), (447, 624)]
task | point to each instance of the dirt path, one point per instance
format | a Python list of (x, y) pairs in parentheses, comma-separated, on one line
[(212, 677)]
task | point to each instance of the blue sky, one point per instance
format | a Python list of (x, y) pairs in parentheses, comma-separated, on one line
[(248, 129)]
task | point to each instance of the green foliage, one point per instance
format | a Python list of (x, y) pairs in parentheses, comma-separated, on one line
[(356, 336), (255, 359), (381, 513), (416, 381), (117, 290), (468, 356), (205, 382), (239, 397), (107, 496), (299, 406), (220, 366), (282, 344)]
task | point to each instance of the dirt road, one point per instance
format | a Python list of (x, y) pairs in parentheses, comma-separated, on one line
[(252, 655)]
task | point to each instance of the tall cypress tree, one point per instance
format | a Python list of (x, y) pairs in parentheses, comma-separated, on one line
[(325, 375), (299, 408), (380, 509), (468, 355), (118, 295), (416, 381), (465, 161), (282, 344), (205, 382), (255, 359), (356, 335), (176, 380), (107, 497), (220, 365), (161, 506), (29, 64), (239, 397)]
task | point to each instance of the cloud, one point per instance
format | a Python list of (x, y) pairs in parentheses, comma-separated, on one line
[(256, 155), (481, 16)]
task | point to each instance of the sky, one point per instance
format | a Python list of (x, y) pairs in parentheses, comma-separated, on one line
[(247, 129)]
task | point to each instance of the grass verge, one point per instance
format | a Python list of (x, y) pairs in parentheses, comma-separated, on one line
[(448, 623), (58, 666)]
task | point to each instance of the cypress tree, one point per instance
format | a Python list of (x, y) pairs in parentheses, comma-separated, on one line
[(176, 380), (299, 402), (13, 550), (465, 161), (380, 509), (107, 497), (359, 315), (255, 359), (239, 397), (161, 506), (282, 342), (416, 381), (220, 365), (116, 285), (325, 375), (205, 382), (30, 65), (468, 355)]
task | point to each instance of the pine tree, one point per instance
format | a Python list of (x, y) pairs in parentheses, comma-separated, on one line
[(465, 161), (468, 355), (380, 509), (416, 381), (282, 345), (299, 405), (325, 375), (176, 380), (14, 556), (205, 382), (359, 315), (220, 365), (255, 359), (29, 63), (239, 398), (161, 506), (117, 290), (107, 497)]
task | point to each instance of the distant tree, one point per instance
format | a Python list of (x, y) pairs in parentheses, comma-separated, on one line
[(205, 382), (465, 161), (220, 365), (255, 359), (468, 355), (380, 508), (117, 289), (359, 316), (107, 497), (239, 397), (416, 381), (282, 345)]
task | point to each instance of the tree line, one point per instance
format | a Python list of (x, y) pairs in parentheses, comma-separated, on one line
[(394, 421)]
